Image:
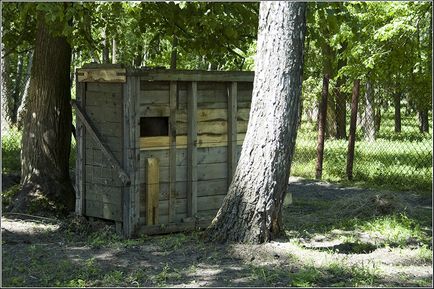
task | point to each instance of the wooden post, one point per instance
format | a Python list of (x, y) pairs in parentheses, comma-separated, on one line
[(80, 166), (192, 150), (322, 117), (152, 190), (128, 162), (353, 123), (232, 130), (135, 141), (172, 151)]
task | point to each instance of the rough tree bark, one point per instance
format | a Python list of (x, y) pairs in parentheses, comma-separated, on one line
[(369, 115), (341, 104), (322, 116), (47, 121), (423, 120), (252, 210), (353, 124), (397, 106)]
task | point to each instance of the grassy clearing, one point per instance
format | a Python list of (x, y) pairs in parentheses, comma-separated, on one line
[(396, 161)]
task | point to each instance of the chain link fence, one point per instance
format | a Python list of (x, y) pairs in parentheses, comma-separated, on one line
[(393, 147)]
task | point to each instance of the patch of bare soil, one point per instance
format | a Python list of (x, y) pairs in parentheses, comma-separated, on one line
[(43, 252)]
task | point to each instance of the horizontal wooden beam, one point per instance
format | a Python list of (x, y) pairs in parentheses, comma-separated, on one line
[(106, 151), (101, 75), (203, 141), (192, 75), (172, 228)]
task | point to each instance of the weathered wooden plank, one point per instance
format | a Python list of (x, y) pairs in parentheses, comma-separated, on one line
[(170, 228), (204, 203), (104, 87), (197, 75), (204, 188), (212, 127), (91, 130), (110, 141), (204, 172), (154, 110), (172, 151), (244, 95), (152, 190), (103, 210), (101, 75), (210, 114), (147, 97), (208, 155), (207, 203), (103, 176), (105, 113), (212, 187), (162, 142), (106, 194), (154, 85), (81, 154), (232, 129), (135, 153), (245, 86), (125, 138), (103, 99), (192, 150)]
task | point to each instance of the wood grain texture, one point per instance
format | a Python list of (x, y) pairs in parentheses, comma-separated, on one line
[(172, 150), (192, 150), (152, 190), (101, 75)]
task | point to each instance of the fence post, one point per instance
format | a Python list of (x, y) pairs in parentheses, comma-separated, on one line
[(353, 122)]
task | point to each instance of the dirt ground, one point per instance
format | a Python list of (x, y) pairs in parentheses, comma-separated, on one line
[(315, 252)]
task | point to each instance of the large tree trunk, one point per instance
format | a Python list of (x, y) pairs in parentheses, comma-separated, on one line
[(47, 120), (252, 210), (322, 116), (397, 105), (105, 47), (369, 115)]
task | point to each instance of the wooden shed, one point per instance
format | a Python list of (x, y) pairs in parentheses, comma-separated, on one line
[(156, 148)]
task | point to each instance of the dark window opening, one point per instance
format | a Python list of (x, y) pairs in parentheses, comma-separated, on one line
[(154, 126)]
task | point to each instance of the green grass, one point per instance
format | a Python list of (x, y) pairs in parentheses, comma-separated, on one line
[(11, 149), (397, 161)]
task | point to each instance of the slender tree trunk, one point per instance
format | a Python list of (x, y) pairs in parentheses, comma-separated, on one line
[(423, 120), (46, 136), (322, 115), (341, 111), (252, 209), (378, 120), (174, 54), (397, 105), (341, 103), (17, 90), (114, 57), (139, 56), (105, 49), (369, 115), (353, 123)]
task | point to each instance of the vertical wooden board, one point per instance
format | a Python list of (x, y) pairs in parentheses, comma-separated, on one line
[(192, 150), (135, 141), (232, 130), (81, 153), (152, 191), (125, 140), (172, 150)]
